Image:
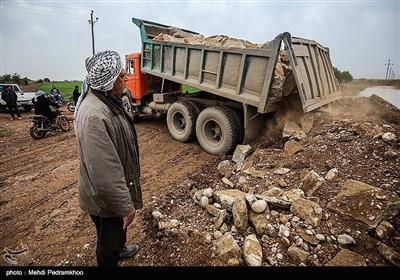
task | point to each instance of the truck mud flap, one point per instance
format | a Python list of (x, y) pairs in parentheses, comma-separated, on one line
[(253, 122)]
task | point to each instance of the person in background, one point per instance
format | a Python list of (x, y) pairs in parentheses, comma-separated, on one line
[(109, 188), (10, 97), (42, 105), (76, 94), (55, 94)]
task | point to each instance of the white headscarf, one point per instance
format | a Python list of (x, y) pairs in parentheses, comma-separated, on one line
[(103, 69), (39, 93)]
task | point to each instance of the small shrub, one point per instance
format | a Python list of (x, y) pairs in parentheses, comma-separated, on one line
[(4, 132)]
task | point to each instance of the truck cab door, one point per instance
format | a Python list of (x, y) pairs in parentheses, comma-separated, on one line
[(135, 82)]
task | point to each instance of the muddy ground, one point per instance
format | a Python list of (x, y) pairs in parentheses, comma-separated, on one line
[(38, 182)]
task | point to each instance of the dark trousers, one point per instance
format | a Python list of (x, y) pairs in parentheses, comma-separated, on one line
[(111, 238), (13, 109), (52, 115)]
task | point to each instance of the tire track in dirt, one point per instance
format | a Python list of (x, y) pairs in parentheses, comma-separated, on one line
[(164, 160), (24, 158)]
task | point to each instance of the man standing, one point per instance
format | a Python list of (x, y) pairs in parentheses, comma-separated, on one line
[(109, 169), (75, 94), (10, 97)]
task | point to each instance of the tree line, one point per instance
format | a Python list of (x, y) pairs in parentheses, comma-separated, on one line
[(342, 76), (15, 78)]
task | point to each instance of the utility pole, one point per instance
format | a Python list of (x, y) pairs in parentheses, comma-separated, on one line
[(391, 74), (387, 70), (91, 22)]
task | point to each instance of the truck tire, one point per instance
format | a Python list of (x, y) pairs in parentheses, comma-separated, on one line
[(217, 130), (240, 122), (198, 107), (181, 121)]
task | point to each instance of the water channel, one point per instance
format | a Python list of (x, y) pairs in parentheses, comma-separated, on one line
[(388, 93)]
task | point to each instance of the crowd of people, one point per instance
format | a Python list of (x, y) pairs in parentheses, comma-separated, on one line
[(41, 101)]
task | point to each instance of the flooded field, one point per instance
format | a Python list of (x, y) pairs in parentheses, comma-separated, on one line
[(389, 93)]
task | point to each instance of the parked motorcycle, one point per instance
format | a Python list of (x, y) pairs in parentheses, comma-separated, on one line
[(40, 125), (71, 105)]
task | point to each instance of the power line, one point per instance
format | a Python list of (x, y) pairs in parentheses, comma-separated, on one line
[(30, 3), (30, 9), (50, 15), (391, 74), (120, 24), (368, 62)]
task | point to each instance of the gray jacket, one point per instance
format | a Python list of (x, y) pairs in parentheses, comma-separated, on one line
[(109, 170)]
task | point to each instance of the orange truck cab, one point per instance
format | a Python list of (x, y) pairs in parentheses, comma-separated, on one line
[(141, 85)]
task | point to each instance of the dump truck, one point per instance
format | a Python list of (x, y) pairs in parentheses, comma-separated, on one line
[(237, 84)]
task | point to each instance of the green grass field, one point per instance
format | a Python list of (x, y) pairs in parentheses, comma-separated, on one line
[(66, 88)]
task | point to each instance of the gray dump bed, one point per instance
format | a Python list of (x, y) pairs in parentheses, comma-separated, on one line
[(246, 75)]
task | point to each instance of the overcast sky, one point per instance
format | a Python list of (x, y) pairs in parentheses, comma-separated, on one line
[(52, 39)]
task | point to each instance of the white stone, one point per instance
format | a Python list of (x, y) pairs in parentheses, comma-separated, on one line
[(388, 136), (259, 206), (203, 202), (156, 214)]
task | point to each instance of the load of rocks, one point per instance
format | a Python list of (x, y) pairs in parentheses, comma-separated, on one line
[(283, 82)]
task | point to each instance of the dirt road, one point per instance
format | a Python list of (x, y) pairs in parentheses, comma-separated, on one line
[(38, 180)]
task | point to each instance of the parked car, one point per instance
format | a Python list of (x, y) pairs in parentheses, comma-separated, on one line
[(24, 98)]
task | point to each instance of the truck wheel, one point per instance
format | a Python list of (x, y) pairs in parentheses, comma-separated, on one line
[(216, 130), (198, 107), (240, 122), (35, 131), (181, 121)]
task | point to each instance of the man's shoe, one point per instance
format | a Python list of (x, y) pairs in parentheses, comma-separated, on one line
[(12, 119), (128, 251), (20, 118)]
